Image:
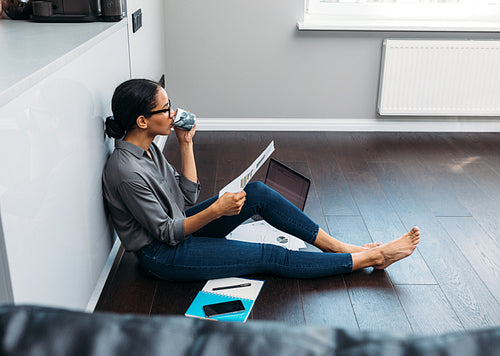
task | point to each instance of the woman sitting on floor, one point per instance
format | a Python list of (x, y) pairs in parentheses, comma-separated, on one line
[(147, 197)]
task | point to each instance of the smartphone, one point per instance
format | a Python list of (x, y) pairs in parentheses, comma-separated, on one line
[(233, 306)]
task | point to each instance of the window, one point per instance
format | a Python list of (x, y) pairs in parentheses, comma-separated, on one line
[(419, 15)]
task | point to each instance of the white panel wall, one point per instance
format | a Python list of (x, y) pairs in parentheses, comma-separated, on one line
[(53, 151)]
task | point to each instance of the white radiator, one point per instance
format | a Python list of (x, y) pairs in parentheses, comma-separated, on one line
[(440, 77)]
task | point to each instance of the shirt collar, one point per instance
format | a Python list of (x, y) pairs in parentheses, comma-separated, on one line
[(130, 147)]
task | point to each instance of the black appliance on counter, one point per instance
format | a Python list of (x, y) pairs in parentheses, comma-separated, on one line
[(77, 10)]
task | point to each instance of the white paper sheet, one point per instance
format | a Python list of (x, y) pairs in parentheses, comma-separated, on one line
[(241, 181), (262, 232)]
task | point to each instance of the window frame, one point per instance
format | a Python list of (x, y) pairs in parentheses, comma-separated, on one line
[(467, 16)]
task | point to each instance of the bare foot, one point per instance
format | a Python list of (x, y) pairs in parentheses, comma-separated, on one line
[(400, 248)]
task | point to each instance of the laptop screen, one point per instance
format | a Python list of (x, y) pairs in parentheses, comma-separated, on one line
[(288, 182)]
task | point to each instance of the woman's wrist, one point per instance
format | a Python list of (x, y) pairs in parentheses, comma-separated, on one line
[(188, 162), (186, 145), (195, 222), (214, 211)]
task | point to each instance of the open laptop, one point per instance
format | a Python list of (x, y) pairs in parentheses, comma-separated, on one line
[(288, 182)]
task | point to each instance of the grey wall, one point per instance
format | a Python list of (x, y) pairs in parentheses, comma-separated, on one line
[(231, 59)]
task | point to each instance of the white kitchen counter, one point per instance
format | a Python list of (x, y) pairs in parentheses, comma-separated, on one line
[(56, 82), (29, 51)]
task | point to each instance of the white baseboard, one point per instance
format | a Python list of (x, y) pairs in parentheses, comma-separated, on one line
[(300, 124), (96, 294)]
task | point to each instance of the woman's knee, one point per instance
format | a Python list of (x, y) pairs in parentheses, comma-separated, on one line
[(258, 192), (258, 188)]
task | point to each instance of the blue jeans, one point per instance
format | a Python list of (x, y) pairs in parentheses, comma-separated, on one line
[(206, 254)]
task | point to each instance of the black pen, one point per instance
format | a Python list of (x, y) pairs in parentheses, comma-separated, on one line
[(233, 286)]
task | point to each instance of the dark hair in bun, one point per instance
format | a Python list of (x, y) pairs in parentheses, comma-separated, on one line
[(113, 128), (131, 99)]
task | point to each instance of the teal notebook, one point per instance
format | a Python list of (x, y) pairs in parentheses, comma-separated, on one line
[(207, 295)]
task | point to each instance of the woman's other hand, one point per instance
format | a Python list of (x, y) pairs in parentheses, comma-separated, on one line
[(230, 203)]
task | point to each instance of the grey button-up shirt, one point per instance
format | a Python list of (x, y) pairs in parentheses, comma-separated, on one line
[(146, 198)]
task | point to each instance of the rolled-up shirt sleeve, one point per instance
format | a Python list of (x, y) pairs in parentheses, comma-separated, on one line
[(146, 209), (190, 189)]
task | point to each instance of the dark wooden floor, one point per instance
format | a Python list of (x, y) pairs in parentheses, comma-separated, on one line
[(366, 187)]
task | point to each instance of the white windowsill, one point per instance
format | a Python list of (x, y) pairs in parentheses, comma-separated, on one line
[(336, 24)]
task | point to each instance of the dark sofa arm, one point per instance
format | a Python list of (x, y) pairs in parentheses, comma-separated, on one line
[(30, 330)]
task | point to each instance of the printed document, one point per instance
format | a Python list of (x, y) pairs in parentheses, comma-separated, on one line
[(240, 183)]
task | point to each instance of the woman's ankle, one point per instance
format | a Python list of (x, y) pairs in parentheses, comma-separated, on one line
[(368, 258), (326, 243)]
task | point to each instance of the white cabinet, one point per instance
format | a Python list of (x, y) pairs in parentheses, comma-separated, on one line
[(52, 151)]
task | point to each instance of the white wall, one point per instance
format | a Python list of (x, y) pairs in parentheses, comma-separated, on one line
[(147, 45), (56, 234)]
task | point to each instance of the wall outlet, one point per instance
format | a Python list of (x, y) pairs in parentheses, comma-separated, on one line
[(136, 20)]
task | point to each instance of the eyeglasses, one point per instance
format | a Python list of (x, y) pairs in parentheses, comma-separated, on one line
[(160, 111)]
